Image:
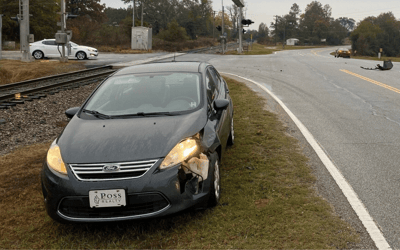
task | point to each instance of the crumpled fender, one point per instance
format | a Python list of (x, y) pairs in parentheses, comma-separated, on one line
[(210, 139)]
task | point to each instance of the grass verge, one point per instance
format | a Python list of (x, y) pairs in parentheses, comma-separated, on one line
[(15, 71), (372, 58), (260, 49), (267, 200)]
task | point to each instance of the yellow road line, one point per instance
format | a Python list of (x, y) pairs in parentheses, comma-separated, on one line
[(372, 81)]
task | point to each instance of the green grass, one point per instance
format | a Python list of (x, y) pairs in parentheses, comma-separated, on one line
[(267, 200)]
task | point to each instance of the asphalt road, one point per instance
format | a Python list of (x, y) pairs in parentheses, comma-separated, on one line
[(355, 118)]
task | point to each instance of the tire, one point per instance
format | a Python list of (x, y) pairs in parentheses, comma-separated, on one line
[(231, 138), (37, 54), (81, 55), (215, 189)]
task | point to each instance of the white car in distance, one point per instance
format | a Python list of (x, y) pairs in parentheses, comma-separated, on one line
[(49, 48)]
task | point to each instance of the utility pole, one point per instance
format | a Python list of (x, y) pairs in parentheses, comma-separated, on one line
[(133, 15), (276, 27), (284, 36), (1, 31), (141, 24), (223, 39), (63, 28), (240, 29), (213, 25), (24, 30)]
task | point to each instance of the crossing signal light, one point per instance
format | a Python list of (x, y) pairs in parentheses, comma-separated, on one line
[(219, 28), (243, 31), (16, 18), (247, 21)]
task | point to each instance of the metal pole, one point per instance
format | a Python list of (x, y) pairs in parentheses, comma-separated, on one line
[(223, 28), (1, 31), (240, 30), (284, 37), (63, 27), (133, 15), (24, 31), (142, 15)]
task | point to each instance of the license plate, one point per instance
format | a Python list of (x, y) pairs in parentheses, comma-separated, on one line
[(107, 198)]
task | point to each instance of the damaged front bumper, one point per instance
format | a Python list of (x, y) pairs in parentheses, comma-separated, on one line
[(156, 193)]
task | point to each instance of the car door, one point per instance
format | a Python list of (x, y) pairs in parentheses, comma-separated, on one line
[(213, 92), (50, 49)]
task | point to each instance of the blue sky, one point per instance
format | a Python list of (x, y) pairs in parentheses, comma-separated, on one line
[(263, 11)]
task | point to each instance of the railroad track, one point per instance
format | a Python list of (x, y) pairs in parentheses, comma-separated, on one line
[(213, 49), (20, 92)]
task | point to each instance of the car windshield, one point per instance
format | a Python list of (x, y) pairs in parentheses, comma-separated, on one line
[(147, 93), (73, 44)]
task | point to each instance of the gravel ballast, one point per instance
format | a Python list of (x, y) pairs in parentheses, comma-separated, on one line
[(40, 120)]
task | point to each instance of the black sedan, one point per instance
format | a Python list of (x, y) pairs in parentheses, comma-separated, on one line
[(148, 142)]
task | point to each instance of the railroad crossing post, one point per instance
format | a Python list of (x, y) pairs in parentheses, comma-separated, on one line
[(1, 31), (24, 31), (240, 30), (223, 17)]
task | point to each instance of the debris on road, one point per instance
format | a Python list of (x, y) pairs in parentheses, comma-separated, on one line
[(387, 65)]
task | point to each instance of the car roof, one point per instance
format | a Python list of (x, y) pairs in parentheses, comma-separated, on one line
[(163, 67)]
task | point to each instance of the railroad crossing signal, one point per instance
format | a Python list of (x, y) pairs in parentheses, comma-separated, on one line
[(247, 21)]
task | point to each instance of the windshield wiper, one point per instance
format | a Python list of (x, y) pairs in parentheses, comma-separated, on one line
[(146, 114), (96, 113)]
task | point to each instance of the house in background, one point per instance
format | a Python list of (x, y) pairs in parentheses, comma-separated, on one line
[(292, 41)]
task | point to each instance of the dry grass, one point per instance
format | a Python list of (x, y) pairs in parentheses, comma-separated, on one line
[(15, 71), (267, 200), (372, 58), (260, 49)]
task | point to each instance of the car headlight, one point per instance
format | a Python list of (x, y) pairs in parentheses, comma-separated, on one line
[(92, 50), (54, 159), (181, 152)]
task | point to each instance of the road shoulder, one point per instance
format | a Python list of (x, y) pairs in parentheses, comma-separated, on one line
[(325, 185)]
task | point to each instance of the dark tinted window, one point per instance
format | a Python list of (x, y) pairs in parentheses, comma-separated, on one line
[(216, 77), (50, 42), (211, 87)]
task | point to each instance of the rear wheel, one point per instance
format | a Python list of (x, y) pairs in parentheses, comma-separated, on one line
[(215, 190), (37, 54)]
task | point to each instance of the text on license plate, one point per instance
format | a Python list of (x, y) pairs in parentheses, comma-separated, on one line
[(107, 198)]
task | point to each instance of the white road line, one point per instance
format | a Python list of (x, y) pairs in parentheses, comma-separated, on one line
[(347, 190)]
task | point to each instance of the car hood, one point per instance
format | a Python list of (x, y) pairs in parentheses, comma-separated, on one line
[(85, 47), (124, 140)]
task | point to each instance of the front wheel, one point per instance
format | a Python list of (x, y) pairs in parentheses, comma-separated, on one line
[(81, 55), (215, 190), (37, 54)]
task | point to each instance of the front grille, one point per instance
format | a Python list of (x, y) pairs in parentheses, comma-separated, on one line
[(116, 171), (136, 205)]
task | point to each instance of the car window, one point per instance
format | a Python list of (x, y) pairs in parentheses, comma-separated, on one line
[(211, 87), (50, 42), (216, 77), (163, 92)]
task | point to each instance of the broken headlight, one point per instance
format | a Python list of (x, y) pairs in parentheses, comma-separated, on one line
[(181, 152)]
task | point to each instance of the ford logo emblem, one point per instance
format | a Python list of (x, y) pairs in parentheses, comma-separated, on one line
[(111, 168)]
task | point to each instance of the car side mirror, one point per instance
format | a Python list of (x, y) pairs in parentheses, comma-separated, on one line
[(71, 112), (221, 104)]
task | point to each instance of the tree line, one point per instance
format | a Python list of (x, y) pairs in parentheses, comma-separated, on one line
[(180, 20), (374, 33)]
